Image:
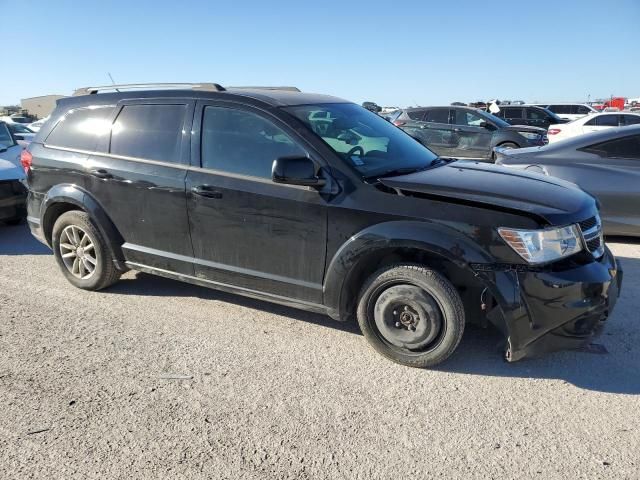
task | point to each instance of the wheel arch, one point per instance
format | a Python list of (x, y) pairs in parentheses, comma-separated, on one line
[(66, 197), (423, 243)]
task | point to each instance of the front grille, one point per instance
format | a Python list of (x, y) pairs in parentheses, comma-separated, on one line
[(592, 235), (588, 224)]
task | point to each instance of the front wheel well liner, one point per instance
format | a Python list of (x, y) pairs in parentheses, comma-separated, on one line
[(467, 284)]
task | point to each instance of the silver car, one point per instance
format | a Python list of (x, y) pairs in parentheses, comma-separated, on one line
[(606, 164)]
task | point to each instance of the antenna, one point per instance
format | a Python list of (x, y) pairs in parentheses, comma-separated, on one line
[(113, 82)]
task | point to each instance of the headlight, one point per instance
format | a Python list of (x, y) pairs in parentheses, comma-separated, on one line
[(531, 135), (541, 246)]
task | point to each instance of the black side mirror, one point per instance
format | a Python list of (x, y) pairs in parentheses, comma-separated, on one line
[(295, 171)]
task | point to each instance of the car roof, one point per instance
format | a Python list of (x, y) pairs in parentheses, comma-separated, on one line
[(565, 103), (275, 98)]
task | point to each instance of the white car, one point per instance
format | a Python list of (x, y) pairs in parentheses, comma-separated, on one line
[(37, 125), (15, 119), (569, 111), (591, 123)]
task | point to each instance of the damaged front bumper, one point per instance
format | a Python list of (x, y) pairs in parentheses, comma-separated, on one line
[(550, 309)]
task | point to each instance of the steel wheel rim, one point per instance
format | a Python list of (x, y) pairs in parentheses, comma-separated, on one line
[(429, 341), (77, 250)]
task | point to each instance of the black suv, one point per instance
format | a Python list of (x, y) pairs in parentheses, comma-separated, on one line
[(314, 202), (529, 115), (465, 132)]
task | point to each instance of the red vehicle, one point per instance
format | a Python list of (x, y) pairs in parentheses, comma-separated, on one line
[(615, 102)]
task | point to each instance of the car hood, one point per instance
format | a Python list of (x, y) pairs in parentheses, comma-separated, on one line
[(9, 171), (526, 128), (552, 200)]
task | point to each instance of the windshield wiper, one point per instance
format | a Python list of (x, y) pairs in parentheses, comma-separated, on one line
[(397, 171), (408, 170)]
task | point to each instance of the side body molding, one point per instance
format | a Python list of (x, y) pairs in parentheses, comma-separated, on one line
[(72, 194), (430, 237)]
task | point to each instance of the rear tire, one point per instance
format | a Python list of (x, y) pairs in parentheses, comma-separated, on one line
[(82, 253), (411, 314)]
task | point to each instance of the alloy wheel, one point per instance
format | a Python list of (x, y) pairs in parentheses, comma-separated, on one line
[(78, 252)]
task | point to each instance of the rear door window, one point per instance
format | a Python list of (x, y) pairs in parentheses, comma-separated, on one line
[(512, 113), (437, 115), (603, 121), (560, 109), (80, 129), (630, 119), (152, 132)]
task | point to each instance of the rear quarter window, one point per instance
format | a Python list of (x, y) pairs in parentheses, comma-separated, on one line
[(416, 114), (81, 128), (625, 147)]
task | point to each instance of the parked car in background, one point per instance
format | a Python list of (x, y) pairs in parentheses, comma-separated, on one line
[(465, 132), (9, 147), (591, 123), (605, 164), (372, 107), (13, 193), (316, 203), (21, 133), (528, 115), (569, 111), (37, 125), (15, 119)]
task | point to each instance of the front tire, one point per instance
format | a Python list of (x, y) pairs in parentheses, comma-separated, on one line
[(411, 314), (82, 253)]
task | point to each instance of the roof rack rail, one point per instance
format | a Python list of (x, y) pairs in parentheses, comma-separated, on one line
[(204, 86), (288, 89)]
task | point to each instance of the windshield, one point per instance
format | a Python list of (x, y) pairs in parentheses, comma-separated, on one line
[(366, 141), (20, 119)]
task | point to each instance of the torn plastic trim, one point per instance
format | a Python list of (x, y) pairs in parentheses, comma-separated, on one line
[(505, 267)]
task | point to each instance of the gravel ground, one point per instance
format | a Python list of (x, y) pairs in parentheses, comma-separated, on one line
[(158, 379)]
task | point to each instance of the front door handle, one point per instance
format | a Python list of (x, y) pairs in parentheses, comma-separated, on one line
[(206, 191), (100, 173)]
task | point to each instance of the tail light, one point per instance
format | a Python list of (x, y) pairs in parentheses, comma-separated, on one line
[(553, 131), (25, 160), (398, 123)]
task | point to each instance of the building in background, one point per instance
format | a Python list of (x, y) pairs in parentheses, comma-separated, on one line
[(40, 107)]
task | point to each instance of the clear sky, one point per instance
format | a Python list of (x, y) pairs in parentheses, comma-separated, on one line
[(391, 52)]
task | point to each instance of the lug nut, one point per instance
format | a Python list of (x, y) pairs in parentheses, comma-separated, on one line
[(397, 324)]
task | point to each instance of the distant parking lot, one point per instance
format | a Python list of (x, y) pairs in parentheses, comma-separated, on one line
[(157, 378)]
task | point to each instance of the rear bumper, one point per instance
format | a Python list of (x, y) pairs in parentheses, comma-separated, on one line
[(13, 197), (546, 311)]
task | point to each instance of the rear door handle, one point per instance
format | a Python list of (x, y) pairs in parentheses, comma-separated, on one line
[(456, 129), (206, 191), (100, 173)]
